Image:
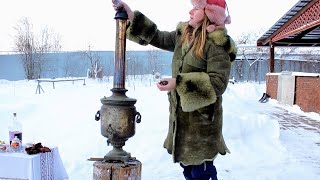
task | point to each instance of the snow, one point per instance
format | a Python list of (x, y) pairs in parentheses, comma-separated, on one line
[(64, 117), (296, 74)]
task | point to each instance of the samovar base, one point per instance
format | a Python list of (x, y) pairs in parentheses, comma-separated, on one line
[(117, 154)]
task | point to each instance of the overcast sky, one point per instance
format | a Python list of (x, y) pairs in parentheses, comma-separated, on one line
[(90, 22)]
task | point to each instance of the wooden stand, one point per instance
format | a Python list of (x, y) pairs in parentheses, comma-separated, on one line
[(117, 171)]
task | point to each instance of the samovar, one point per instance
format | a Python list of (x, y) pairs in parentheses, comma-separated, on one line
[(118, 114)]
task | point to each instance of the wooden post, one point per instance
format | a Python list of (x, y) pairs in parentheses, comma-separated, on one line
[(271, 65), (117, 171)]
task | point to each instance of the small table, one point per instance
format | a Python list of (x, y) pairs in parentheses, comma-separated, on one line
[(42, 166)]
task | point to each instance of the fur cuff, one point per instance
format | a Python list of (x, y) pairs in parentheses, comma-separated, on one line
[(142, 29), (195, 91)]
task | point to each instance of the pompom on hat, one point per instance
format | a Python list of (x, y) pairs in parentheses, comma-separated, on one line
[(215, 10)]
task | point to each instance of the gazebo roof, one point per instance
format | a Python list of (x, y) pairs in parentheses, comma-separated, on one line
[(300, 26)]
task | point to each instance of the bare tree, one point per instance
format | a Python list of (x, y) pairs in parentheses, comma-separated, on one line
[(249, 37), (153, 57), (249, 53), (71, 66), (108, 67), (33, 48), (67, 67), (135, 66), (312, 58), (96, 69)]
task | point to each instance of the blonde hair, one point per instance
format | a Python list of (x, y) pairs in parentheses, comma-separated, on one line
[(196, 37)]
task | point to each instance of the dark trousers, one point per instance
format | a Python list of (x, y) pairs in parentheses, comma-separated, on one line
[(204, 171)]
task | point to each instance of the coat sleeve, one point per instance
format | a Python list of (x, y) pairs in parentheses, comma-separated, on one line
[(200, 89), (143, 31), (218, 69)]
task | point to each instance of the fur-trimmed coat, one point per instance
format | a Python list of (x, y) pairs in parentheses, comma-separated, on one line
[(195, 123)]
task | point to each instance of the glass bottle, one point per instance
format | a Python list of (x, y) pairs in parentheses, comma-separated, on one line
[(15, 128)]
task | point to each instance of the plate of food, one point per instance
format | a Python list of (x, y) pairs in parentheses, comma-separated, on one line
[(3, 146)]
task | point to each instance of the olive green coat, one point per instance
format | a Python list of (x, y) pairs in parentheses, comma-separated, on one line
[(195, 123)]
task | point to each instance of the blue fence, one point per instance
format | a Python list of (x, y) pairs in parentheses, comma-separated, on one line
[(247, 66)]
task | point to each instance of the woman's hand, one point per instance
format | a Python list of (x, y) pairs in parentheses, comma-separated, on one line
[(117, 4), (167, 84)]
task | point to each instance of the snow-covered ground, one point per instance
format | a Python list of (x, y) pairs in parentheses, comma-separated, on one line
[(64, 117)]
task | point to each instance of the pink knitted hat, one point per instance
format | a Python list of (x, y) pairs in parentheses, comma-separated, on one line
[(215, 10)]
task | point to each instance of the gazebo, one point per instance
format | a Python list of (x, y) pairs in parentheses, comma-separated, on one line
[(299, 27)]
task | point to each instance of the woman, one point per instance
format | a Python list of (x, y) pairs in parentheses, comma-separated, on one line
[(202, 57)]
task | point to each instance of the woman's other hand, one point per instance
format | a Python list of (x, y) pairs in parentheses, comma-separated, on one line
[(167, 84), (118, 4)]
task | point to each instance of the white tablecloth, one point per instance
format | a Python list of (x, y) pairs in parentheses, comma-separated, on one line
[(42, 166)]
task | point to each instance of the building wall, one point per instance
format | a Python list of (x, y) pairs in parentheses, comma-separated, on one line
[(308, 93), (272, 85)]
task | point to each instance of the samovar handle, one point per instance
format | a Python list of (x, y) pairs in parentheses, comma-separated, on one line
[(97, 116), (138, 117)]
